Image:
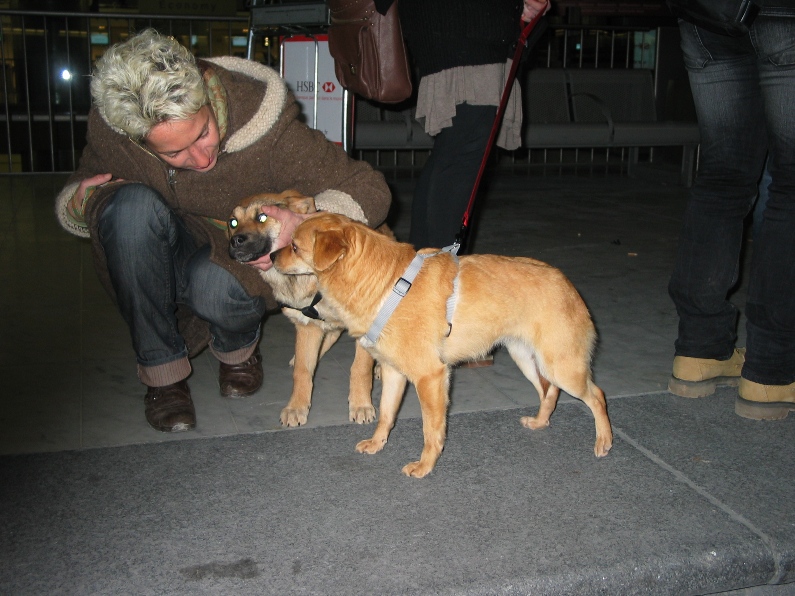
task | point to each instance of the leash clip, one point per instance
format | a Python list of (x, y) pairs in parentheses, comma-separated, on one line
[(453, 248)]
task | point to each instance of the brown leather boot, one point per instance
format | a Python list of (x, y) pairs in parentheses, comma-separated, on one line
[(170, 409), (241, 380)]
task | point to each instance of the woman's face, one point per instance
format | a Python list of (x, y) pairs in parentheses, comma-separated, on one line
[(190, 144)]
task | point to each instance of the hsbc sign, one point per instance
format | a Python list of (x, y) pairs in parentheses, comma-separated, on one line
[(309, 87), (321, 99)]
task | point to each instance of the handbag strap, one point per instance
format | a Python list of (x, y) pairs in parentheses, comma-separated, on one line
[(520, 46)]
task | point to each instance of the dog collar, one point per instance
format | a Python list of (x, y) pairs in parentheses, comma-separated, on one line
[(402, 287), (310, 311)]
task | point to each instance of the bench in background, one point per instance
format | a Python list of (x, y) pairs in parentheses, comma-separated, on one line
[(596, 108), (563, 109)]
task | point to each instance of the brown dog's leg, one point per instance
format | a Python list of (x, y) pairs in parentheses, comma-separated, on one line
[(360, 397), (572, 374), (329, 340), (548, 402), (360, 394), (308, 339), (595, 399), (393, 387), (548, 394), (576, 381), (433, 392)]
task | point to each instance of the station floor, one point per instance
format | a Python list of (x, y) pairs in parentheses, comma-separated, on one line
[(692, 499)]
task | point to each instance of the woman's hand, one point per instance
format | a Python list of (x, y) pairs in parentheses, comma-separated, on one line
[(290, 221), (77, 203), (533, 7)]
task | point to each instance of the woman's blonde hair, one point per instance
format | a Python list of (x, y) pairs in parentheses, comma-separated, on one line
[(146, 80)]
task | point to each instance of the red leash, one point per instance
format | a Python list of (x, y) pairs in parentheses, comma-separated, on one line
[(506, 93)]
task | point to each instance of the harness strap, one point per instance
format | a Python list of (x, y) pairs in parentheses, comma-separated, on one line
[(452, 300), (402, 287)]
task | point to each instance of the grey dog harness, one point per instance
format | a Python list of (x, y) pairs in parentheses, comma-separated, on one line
[(402, 287)]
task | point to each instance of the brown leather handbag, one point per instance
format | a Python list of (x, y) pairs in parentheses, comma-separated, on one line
[(368, 50)]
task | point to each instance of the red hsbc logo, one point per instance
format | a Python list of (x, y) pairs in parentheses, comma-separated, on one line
[(329, 87)]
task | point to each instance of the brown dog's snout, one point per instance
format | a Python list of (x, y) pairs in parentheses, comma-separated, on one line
[(249, 247), (275, 254), (238, 240)]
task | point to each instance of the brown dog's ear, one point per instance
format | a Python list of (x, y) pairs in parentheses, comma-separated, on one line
[(330, 247), (298, 203)]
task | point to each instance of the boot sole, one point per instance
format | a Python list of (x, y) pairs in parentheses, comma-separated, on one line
[(177, 428), (755, 410), (696, 389), (234, 395)]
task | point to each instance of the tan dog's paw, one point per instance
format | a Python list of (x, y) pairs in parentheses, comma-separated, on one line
[(533, 422), (294, 416), (417, 469), (361, 415), (370, 446), (602, 446), (377, 371)]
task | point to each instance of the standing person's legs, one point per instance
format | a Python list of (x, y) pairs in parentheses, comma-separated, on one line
[(447, 179), (725, 82), (767, 388), (761, 202), (151, 257)]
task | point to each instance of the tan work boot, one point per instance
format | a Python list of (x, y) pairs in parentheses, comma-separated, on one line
[(698, 377), (764, 402)]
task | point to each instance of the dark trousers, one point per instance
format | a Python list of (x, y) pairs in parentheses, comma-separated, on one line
[(744, 91), (446, 181)]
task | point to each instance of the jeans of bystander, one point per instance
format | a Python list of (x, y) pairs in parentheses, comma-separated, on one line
[(744, 92)]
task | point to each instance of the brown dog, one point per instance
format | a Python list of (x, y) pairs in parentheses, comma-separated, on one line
[(251, 235), (523, 304)]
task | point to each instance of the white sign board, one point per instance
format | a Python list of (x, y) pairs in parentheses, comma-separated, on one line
[(320, 95)]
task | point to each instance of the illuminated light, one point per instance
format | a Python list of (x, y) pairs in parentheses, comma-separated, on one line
[(66, 75)]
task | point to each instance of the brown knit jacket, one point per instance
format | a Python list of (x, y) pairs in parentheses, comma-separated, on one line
[(266, 149)]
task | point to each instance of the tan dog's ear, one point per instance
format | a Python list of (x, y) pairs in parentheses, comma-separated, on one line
[(298, 203), (330, 246)]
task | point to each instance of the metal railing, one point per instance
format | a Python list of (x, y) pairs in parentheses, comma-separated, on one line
[(47, 58)]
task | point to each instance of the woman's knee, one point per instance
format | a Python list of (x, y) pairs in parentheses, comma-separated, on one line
[(135, 208), (217, 296)]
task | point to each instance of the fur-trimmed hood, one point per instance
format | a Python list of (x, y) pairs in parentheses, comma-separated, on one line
[(269, 110)]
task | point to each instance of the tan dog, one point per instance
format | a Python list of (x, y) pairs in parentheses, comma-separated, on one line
[(251, 235), (523, 304)]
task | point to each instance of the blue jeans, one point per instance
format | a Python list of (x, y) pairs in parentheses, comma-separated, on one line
[(154, 264), (761, 203), (744, 92)]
